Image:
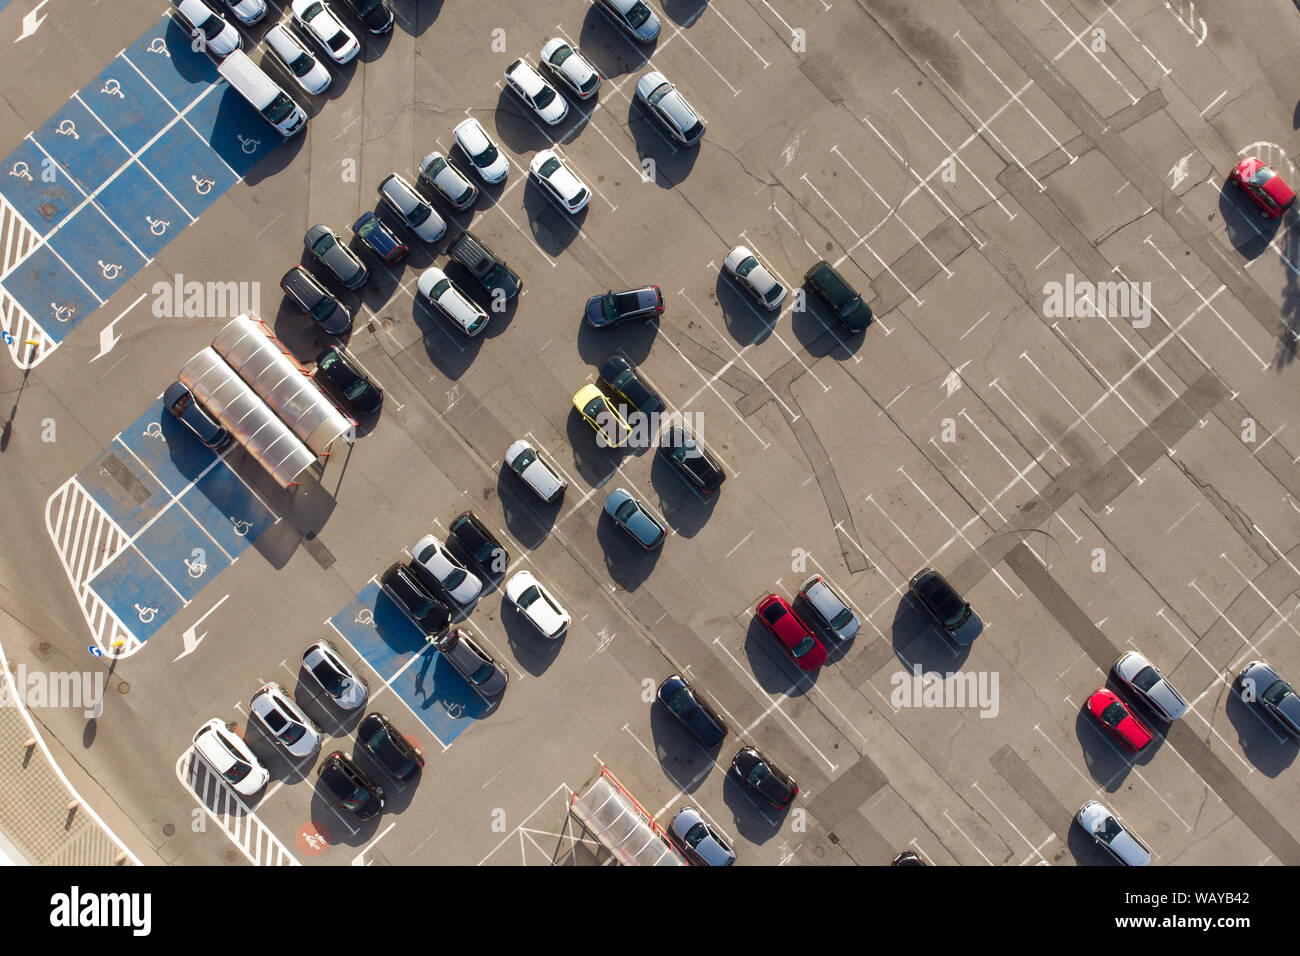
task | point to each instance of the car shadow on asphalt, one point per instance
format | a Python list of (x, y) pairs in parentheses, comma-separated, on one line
[(628, 564), (771, 666)]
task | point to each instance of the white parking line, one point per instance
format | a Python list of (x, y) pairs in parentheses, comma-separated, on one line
[(1033, 849), (1087, 48), (973, 844)]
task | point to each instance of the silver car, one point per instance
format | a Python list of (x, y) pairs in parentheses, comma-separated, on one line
[(327, 248), (1261, 684), (1142, 677), (1110, 831), (633, 17), (438, 175), (833, 610), (285, 721), (670, 108), (752, 276), (701, 844), (336, 678), (475, 664), (416, 214), (570, 68), (461, 585)]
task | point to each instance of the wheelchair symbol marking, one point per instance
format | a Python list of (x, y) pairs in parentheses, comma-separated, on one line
[(158, 45), (146, 613), (112, 88), (241, 527), (248, 145), (203, 186), (453, 708), (365, 616), (195, 568), (154, 430), (110, 269), (22, 171), (62, 313), (68, 128), (157, 226)]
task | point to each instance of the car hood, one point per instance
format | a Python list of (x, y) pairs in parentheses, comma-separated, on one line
[(966, 634)]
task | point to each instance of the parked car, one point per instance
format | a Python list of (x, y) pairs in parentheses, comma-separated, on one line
[(764, 777), (403, 585), (570, 68), (681, 700), (489, 162), (754, 277), (1263, 186), (531, 598), (180, 401), (247, 11), (285, 721), (775, 614), (441, 177), (200, 20), (336, 367), (488, 269), (614, 307), (635, 518), (461, 585), (310, 73), (691, 460), (833, 610), (379, 239), (447, 297), (390, 749), (619, 378), (323, 662), (537, 473), (950, 611), (313, 298), (475, 664), (1141, 676), (348, 784), (1260, 682), (318, 21), (538, 95), (1114, 715), (1109, 831), (558, 182), (407, 204), (228, 755), (375, 15), (844, 300), (597, 411), (327, 247), (907, 858), (669, 108), (701, 844), (632, 17), (480, 544)]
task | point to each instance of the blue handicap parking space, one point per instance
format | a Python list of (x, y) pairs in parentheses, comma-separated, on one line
[(81, 145), (122, 487), (166, 57), (233, 129), (439, 695), (177, 547), (50, 293), (136, 593), (227, 509), (97, 252), (170, 450), (142, 209), (42, 193), (127, 104), (379, 630), (194, 175)]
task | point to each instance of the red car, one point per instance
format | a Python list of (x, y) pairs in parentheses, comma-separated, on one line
[(799, 642), (1118, 719), (1264, 186)]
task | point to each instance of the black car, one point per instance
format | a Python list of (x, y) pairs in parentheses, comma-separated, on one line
[(363, 396), (619, 378), (480, 544), (313, 298), (180, 402), (761, 775), (907, 858), (386, 744), (692, 462), (375, 15), (690, 708), (948, 608), (346, 782), (487, 268), (400, 582), (614, 307)]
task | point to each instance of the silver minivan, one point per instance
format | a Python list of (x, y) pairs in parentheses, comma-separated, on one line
[(538, 474)]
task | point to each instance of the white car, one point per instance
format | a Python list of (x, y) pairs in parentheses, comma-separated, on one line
[(540, 96), (310, 73), (448, 299), (526, 462), (1142, 677), (670, 108), (320, 22), (533, 601), (633, 17), (285, 721), (229, 756), (570, 68), (463, 585), (200, 20), (488, 160), (339, 681), (554, 176), (743, 266), (439, 176), (416, 214), (247, 11), (1110, 831), (833, 610)]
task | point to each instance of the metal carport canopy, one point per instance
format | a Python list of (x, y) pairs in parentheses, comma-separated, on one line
[(622, 826)]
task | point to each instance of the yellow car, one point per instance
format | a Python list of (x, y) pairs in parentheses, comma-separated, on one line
[(611, 429)]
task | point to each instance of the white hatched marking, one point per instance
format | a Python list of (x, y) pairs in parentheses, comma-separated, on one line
[(250, 835)]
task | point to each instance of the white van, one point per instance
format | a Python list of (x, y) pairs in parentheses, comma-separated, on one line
[(265, 95)]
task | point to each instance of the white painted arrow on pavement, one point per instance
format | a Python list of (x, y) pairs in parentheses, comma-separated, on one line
[(32, 22)]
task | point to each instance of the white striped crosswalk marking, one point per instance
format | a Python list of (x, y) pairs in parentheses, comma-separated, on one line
[(222, 805)]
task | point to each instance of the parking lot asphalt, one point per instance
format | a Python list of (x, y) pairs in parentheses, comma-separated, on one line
[(1094, 481)]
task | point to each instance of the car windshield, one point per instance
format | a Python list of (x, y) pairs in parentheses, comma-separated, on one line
[(1113, 714), (455, 579), (609, 308), (418, 213), (659, 92), (804, 646), (367, 231), (746, 266), (333, 680), (544, 98), (328, 361), (1146, 678), (1260, 176), (594, 408), (526, 458), (484, 672), (548, 167), (757, 775), (211, 27), (435, 167), (694, 131), (358, 388), (365, 7), (681, 702), (639, 14), (499, 277), (773, 293), (292, 732), (485, 158), (842, 619), (529, 595), (302, 64), (696, 835), (238, 771), (356, 799), (1276, 692), (281, 108), (323, 245), (1110, 829), (561, 54), (440, 287), (851, 305), (338, 41), (312, 11)]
